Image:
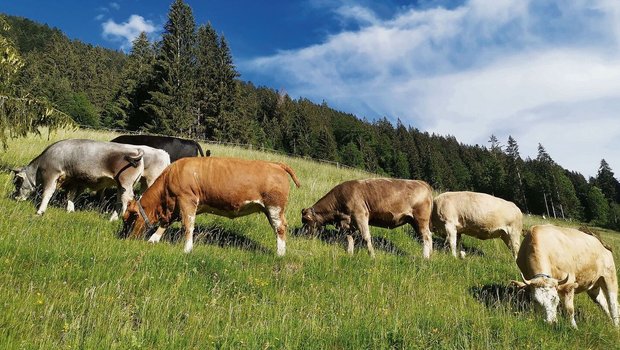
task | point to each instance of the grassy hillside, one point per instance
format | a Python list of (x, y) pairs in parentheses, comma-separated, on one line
[(66, 281)]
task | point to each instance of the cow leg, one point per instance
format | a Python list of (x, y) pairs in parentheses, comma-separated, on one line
[(123, 195), (427, 237), (278, 222), (71, 195), (452, 237), (598, 297), (48, 191), (362, 226), (567, 300), (612, 299), (155, 237), (187, 209), (350, 243)]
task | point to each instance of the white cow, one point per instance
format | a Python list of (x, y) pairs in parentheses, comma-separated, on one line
[(478, 215)]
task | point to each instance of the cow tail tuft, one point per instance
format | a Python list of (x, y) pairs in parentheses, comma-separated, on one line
[(290, 171)]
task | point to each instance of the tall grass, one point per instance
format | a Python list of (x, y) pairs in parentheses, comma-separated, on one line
[(66, 281)]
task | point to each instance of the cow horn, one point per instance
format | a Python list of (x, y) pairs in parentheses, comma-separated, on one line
[(564, 280), (527, 282)]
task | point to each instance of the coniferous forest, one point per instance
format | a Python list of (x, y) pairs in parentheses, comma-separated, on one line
[(186, 84)]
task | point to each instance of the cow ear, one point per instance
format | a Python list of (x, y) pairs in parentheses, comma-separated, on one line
[(518, 284)]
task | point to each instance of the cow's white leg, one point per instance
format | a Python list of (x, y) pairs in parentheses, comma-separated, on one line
[(350, 244), (278, 223), (155, 237), (597, 295), (189, 232), (427, 243), (48, 191), (71, 195), (362, 226), (612, 298), (451, 237), (124, 195)]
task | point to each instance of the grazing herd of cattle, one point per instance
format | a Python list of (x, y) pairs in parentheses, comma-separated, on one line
[(555, 262)]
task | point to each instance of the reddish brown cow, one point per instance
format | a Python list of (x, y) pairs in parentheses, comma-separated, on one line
[(385, 203), (223, 186)]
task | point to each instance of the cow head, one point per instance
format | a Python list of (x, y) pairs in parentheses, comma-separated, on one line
[(309, 220), (24, 187), (133, 223), (545, 291)]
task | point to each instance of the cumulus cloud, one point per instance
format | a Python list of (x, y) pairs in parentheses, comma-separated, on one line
[(545, 72), (126, 32)]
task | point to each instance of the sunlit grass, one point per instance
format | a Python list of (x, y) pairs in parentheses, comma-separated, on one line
[(66, 281)]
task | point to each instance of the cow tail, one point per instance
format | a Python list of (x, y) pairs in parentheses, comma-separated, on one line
[(199, 149), (290, 171), (134, 160)]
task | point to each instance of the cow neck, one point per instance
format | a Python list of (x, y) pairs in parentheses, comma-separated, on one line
[(150, 200), (31, 171), (145, 217)]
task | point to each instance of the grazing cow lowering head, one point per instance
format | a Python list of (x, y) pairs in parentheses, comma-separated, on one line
[(24, 186), (357, 204), (544, 290), (561, 262), (222, 186)]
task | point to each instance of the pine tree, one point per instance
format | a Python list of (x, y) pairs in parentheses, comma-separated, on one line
[(514, 177), (126, 109), (171, 103), (606, 181)]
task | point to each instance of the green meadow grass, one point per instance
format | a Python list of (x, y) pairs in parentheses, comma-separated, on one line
[(67, 281)]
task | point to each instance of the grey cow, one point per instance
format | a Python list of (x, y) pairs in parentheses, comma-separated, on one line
[(75, 164)]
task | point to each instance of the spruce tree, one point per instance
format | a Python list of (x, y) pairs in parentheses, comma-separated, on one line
[(171, 103)]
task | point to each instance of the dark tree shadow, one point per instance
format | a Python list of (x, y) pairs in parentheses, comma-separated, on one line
[(334, 236), (214, 234), (506, 296)]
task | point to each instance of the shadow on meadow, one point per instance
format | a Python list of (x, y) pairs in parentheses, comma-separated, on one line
[(214, 234), (331, 236), (502, 296)]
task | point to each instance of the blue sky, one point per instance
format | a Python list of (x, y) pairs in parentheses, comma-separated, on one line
[(543, 71)]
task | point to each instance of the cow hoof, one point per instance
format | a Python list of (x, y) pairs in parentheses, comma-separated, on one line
[(40, 213)]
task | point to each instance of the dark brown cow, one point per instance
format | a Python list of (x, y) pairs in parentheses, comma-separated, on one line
[(223, 186), (385, 203)]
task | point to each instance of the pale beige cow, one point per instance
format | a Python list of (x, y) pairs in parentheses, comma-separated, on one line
[(558, 262), (478, 215)]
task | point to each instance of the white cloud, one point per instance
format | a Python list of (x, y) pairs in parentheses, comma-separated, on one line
[(115, 5), (126, 32), (545, 72)]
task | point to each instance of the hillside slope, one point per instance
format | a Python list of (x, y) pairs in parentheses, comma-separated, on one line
[(68, 282)]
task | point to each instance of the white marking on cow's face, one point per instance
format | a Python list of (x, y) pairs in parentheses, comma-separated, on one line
[(547, 297)]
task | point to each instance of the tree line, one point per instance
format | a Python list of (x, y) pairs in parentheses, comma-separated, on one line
[(186, 84)]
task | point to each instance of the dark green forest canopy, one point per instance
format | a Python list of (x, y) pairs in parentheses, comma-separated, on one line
[(193, 90)]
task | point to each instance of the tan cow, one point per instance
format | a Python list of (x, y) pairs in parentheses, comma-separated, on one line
[(222, 186), (557, 262), (478, 215), (385, 203)]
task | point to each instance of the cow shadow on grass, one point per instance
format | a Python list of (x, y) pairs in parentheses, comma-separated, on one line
[(213, 234), (333, 236), (440, 244), (495, 296)]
